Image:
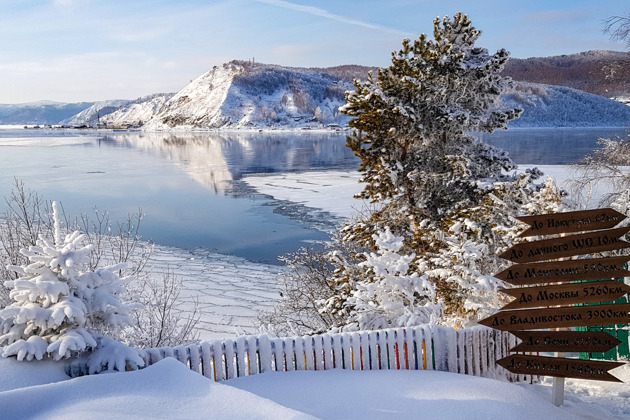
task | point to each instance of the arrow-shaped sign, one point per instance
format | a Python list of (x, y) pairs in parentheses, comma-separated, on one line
[(567, 246), (565, 294), (564, 271), (570, 222), (564, 341), (560, 367), (572, 316)]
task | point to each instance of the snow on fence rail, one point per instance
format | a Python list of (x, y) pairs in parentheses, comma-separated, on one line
[(471, 351)]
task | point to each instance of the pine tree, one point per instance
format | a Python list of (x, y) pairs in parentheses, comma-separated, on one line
[(411, 121), (450, 196), (61, 307)]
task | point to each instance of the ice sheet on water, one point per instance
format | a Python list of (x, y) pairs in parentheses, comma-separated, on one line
[(45, 141)]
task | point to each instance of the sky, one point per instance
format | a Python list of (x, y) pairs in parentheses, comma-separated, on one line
[(90, 50)]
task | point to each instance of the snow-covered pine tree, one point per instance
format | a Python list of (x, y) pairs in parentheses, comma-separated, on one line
[(61, 307), (450, 196)]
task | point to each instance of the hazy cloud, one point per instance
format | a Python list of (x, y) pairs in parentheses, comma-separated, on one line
[(311, 10)]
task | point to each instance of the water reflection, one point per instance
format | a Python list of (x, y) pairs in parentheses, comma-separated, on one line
[(550, 146), (215, 160), (180, 179)]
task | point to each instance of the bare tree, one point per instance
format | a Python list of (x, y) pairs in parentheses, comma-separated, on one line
[(607, 169), (160, 322), (618, 27), (305, 288), (26, 218)]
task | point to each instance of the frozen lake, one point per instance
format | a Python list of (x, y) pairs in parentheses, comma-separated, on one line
[(189, 184)]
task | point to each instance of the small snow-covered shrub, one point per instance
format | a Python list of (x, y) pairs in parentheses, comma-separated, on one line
[(59, 303)]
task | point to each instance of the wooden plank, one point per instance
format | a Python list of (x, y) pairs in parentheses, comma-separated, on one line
[(564, 341), (560, 367), (572, 316), (564, 271), (571, 222), (565, 294), (567, 246)]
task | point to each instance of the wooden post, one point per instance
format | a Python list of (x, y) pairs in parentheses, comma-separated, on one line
[(557, 385)]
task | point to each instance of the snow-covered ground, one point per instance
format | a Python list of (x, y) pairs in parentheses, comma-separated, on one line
[(169, 390), (230, 290)]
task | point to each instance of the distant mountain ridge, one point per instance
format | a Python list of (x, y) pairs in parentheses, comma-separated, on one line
[(605, 73), (248, 95), (41, 112)]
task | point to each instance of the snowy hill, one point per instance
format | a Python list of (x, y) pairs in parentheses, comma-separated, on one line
[(559, 106), (136, 112), (246, 95), (42, 112), (92, 114), (242, 95)]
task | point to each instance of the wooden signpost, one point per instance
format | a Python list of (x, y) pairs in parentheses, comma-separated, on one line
[(560, 367), (565, 294), (568, 246), (549, 301), (564, 271), (571, 222), (564, 341)]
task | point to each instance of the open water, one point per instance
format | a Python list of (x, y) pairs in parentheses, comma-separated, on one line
[(187, 184)]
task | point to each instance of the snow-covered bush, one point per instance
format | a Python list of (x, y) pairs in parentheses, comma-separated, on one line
[(392, 295), (60, 304)]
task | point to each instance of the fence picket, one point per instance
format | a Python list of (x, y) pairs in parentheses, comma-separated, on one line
[(427, 347), (328, 356), (373, 358), (195, 357), (300, 357), (219, 365), (308, 353), (318, 350), (289, 353), (230, 359), (461, 351), (355, 350), (252, 355), (207, 369), (337, 343), (468, 344), (241, 366), (264, 353)]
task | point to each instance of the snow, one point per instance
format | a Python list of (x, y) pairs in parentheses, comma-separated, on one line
[(333, 191), (228, 288), (170, 390)]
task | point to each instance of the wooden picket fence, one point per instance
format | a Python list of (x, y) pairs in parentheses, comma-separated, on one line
[(471, 351)]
